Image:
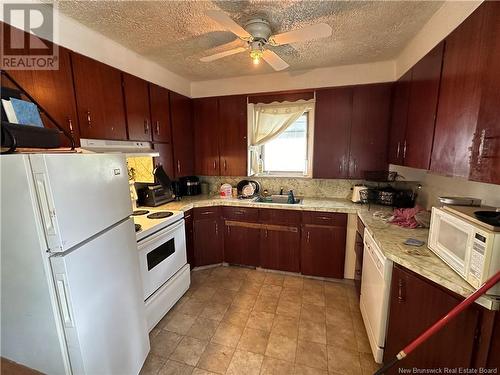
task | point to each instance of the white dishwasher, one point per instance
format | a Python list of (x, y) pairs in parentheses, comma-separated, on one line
[(375, 290)]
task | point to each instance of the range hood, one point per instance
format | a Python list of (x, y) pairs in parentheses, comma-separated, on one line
[(129, 148)]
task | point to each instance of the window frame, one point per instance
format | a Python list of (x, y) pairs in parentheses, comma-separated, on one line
[(309, 147)]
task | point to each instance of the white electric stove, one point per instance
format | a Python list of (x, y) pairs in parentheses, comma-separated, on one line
[(151, 221), (161, 241)]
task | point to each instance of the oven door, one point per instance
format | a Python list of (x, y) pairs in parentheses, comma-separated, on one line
[(451, 239), (161, 255)]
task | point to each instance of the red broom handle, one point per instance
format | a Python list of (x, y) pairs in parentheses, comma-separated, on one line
[(453, 313)]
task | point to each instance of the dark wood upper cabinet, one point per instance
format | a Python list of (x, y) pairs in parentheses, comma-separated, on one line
[(459, 97), (399, 118), (52, 89), (232, 138), (485, 155), (165, 159), (160, 113), (206, 143), (136, 94), (99, 99), (370, 129), (422, 109), (422, 303), (332, 130), (182, 134)]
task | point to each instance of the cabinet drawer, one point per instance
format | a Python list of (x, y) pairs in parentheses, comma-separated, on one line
[(240, 213), (274, 216), (333, 219), (206, 213), (361, 228)]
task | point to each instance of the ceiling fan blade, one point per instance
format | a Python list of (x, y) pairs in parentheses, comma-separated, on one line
[(220, 55), (317, 31), (276, 62), (227, 23)]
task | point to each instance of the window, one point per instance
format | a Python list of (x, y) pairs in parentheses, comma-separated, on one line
[(288, 152), (280, 139)]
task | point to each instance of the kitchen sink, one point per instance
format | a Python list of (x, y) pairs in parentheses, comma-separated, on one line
[(280, 199)]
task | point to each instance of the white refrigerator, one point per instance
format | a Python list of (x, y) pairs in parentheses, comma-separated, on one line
[(71, 294)]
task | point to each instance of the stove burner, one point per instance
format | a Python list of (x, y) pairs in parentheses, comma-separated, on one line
[(137, 227), (160, 215), (140, 212)]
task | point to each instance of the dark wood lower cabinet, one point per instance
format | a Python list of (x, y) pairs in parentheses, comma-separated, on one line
[(323, 251), (280, 248), (189, 230), (208, 237), (415, 304), (241, 243)]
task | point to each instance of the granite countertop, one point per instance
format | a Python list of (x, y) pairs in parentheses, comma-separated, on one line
[(388, 237)]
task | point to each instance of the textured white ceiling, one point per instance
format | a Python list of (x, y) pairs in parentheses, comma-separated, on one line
[(175, 34)]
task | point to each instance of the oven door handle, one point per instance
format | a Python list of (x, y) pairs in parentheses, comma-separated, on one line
[(165, 232)]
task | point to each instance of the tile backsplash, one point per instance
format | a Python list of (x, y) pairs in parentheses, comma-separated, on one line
[(140, 168), (314, 188)]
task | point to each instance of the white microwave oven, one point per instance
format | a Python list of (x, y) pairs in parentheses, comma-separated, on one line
[(468, 248)]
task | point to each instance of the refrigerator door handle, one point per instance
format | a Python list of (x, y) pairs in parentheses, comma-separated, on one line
[(62, 292), (48, 211)]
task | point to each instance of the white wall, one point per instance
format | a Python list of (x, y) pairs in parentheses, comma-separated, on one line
[(434, 186), (383, 71), (79, 38)]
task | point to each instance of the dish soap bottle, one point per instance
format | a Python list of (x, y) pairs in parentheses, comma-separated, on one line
[(291, 198)]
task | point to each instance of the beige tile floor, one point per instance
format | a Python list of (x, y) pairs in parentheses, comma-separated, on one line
[(235, 320)]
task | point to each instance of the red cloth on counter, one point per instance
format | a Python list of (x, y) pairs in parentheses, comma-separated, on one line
[(405, 217)]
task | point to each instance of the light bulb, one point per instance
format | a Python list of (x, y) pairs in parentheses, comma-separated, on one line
[(256, 61)]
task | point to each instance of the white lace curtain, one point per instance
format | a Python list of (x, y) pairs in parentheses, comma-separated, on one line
[(269, 121)]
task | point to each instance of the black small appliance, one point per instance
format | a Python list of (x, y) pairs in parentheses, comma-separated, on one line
[(155, 194), (190, 185)]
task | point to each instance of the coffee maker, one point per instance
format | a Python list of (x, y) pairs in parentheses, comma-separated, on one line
[(189, 185)]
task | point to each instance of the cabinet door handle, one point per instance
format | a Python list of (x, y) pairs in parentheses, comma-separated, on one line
[(228, 230), (401, 294), (157, 127), (308, 236), (265, 233), (70, 126), (207, 213), (187, 217), (216, 229), (355, 165), (179, 166), (398, 150), (340, 166), (404, 150), (215, 164), (225, 164), (146, 126), (89, 119)]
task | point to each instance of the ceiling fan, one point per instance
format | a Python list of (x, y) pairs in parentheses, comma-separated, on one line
[(257, 35)]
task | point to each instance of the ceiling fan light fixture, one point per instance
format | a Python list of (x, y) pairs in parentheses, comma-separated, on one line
[(256, 55)]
